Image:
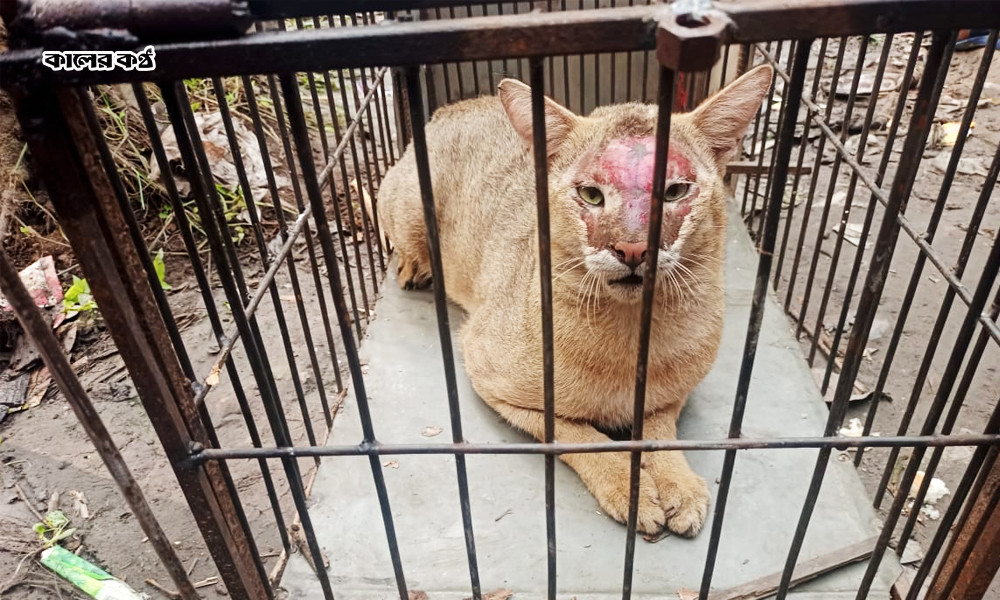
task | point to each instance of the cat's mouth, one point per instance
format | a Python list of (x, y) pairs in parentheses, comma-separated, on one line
[(629, 281)]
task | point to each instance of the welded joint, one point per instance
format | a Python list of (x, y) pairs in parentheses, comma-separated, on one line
[(33, 22), (690, 41)]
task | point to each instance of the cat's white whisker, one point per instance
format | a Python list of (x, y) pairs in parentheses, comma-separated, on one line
[(684, 279), (568, 269)]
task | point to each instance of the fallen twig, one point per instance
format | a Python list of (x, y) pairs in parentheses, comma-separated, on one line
[(168, 593), (24, 498)]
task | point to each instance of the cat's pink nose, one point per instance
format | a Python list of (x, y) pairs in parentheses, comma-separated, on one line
[(632, 254)]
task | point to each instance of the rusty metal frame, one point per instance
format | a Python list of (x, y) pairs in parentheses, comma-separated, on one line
[(64, 150), (511, 36), (64, 146)]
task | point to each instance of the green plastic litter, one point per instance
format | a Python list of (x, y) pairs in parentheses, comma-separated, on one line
[(87, 576)]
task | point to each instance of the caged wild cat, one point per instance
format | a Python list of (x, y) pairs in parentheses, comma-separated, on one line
[(600, 181)]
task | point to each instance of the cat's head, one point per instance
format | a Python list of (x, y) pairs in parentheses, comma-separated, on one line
[(600, 184)]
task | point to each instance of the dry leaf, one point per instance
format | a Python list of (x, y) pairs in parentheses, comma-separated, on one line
[(498, 594), (213, 378), (417, 595), (216, 143), (38, 386), (431, 431), (949, 132), (687, 594), (391, 464)]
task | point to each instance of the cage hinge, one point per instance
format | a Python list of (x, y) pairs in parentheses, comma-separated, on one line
[(115, 23), (689, 35)]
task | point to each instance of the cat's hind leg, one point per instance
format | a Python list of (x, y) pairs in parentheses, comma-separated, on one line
[(413, 260), (413, 270), (403, 223)]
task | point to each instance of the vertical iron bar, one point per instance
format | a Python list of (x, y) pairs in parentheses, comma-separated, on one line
[(552, 64), (545, 277), (807, 210), (865, 228), (441, 306), (944, 529), (817, 167), (748, 215), (614, 70), (369, 164), (890, 142), (974, 550), (628, 70), (777, 136), (140, 243), (258, 235), (767, 241), (214, 222), (946, 428), (297, 120), (279, 114), (313, 263), (209, 302), (917, 273), (347, 193), (337, 217), (859, 67), (916, 137), (366, 219), (664, 105), (156, 289), (989, 185), (475, 64), (955, 360), (803, 144), (923, 370), (192, 155)]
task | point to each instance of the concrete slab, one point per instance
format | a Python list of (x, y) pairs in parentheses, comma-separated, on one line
[(406, 387)]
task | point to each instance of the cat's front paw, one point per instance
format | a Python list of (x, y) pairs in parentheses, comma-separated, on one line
[(682, 493), (608, 477)]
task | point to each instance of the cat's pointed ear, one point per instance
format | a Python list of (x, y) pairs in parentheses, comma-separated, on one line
[(722, 120), (559, 121)]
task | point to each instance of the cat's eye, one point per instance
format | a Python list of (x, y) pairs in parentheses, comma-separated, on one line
[(591, 195), (676, 191)]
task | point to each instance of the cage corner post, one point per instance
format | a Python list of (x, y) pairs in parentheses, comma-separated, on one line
[(971, 561), (66, 153)]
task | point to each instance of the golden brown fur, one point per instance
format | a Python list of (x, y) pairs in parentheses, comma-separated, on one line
[(484, 191)]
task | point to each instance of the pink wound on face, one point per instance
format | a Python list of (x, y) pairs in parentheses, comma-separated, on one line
[(627, 164)]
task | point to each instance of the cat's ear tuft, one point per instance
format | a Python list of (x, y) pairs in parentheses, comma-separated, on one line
[(559, 121), (722, 120)]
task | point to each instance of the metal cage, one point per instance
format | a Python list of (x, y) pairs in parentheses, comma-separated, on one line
[(348, 85)]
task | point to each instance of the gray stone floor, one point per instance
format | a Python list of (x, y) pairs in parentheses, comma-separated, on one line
[(405, 382)]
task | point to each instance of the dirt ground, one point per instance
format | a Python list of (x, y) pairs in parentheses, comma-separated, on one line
[(820, 242), (46, 460), (44, 453)]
